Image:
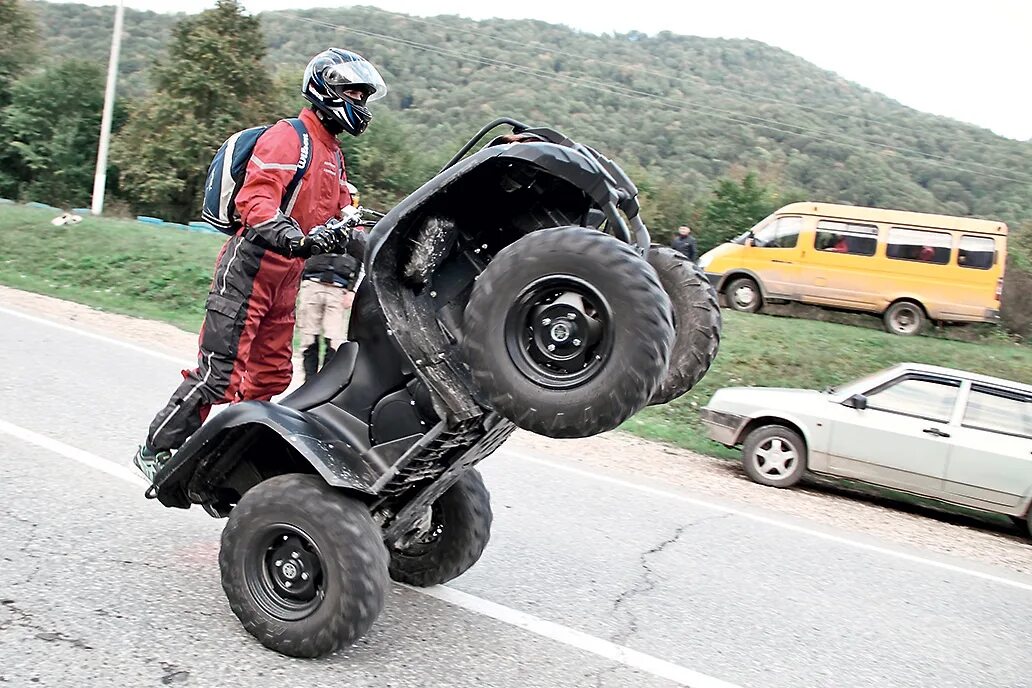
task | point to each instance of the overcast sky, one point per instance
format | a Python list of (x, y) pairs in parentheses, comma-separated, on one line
[(960, 58)]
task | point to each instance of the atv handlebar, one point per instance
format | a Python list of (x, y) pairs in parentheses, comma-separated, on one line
[(518, 127)]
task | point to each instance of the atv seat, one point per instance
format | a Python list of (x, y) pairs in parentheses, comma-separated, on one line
[(327, 383)]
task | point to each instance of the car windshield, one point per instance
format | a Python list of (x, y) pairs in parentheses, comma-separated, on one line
[(861, 384)]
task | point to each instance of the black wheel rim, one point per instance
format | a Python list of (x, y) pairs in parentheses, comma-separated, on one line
[(284, 572), (559, 332)]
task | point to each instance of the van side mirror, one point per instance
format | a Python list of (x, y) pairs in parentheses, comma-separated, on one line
[(857, 401)]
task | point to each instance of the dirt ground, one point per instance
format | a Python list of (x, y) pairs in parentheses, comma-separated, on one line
[(988, 540)]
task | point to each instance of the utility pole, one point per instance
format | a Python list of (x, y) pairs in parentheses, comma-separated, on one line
[(100, 178)]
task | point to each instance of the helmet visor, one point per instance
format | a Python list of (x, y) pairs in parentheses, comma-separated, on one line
[(357, 74)]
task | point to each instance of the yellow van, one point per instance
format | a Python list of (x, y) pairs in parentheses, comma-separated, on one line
[(908, 267)]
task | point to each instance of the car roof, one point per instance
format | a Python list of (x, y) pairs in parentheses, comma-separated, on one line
[(962, 374), (896, 217)]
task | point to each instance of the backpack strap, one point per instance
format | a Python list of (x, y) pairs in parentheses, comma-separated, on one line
[(290, 193)]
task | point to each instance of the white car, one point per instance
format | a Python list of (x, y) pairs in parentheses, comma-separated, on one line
[(947, 434)]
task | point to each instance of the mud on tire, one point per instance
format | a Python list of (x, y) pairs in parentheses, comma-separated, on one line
[(697, 322), (516, 311), (295, 529), (455, 537)]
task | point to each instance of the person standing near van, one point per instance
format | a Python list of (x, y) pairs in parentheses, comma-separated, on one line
[(245, 341), (685, 244), (324, 303)]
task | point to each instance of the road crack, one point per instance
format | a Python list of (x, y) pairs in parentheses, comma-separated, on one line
[(24, 619), (173, 674), (647, 582)]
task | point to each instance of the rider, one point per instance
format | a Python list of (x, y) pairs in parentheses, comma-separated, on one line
[(246, 337)]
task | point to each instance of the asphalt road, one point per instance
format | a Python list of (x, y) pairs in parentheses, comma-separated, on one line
[(589, 580)]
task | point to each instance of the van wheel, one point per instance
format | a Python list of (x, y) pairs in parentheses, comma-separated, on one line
[(905, 318), (743, 294)]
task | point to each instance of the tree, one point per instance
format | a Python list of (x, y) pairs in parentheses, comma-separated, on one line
[(212, 83), (18, 42), (51, 151), (387, 162), (733, 208)]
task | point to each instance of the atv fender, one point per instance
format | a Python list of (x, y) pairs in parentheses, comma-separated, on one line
[(234, 448)]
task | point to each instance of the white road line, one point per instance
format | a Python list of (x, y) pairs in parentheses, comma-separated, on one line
[(558, 465), (69, 452), (546, 629), (574, 638), (99, 337), (812, 532)]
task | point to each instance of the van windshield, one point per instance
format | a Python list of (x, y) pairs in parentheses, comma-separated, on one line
[(782, 233)]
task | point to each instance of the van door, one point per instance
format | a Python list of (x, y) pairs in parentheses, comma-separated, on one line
[(991, 456), (975, 279), (839, 270), (774, 256)]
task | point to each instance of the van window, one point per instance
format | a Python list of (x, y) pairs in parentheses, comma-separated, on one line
[(977, 252), (919, 245), (782, 233), (998, 410), (846, 237)]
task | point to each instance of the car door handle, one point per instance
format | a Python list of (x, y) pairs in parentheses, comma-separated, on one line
[(783, 262), (936, 431)]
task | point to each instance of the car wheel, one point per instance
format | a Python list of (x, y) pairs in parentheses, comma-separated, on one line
[(568, 332), (905, 318), (303, 566), (696, 322), (743, 294), (774, 455), (450, 539)]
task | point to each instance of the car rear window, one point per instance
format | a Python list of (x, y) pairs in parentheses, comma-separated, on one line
[(917, 396), (1001, 411)]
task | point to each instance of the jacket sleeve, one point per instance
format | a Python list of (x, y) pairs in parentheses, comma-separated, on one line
[(269, 171)]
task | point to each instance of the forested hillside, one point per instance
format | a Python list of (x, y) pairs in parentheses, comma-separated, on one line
[(678, 111)]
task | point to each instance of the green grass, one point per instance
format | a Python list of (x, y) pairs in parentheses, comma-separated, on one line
[(122, 266), (127, 267)]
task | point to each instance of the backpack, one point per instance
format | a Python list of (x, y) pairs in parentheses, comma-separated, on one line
[(227, 170)]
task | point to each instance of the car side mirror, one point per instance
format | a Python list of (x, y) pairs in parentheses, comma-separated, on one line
[(857, 401)]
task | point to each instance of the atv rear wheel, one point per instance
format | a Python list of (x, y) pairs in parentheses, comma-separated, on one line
[(303, 566), (696, 322), (568, 332), (452, 538)]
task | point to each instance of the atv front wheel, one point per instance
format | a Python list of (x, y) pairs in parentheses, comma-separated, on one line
[(303, 566), (450, 539), (696, 322), (568, 332)]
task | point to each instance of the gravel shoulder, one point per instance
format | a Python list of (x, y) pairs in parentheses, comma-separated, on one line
[(967, 535)]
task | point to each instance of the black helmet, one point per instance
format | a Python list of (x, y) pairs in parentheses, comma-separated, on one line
[(334, 71)]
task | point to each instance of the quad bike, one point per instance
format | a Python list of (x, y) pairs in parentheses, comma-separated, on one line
[(517, 287)]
